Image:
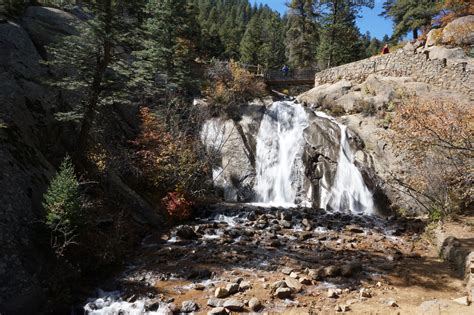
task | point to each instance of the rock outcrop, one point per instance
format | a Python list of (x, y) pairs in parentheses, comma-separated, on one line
[(231, 145), (375, 86), (27, 128)]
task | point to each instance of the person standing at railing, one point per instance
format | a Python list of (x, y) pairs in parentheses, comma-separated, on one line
[(285, 70)]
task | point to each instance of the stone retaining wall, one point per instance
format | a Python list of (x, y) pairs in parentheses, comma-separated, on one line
[(447, 75)]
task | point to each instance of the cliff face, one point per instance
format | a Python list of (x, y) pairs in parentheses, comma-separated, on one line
[(29, 136), (32, 145)]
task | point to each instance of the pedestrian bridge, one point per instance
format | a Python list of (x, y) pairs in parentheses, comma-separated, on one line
[(279, 78)]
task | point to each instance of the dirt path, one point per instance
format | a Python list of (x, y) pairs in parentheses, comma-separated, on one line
[(292, 262)]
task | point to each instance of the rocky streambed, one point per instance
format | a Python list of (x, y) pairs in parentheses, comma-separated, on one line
[(244, 258)]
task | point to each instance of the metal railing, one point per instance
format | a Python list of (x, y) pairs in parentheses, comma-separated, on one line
[(291, 75)]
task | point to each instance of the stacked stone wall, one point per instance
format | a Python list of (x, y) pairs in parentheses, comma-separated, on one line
[(448, 75)]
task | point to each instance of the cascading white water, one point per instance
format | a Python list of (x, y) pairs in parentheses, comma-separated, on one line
[(348, 192), (281, 172), (280, 143)]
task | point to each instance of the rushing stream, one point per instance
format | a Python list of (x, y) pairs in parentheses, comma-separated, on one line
[(280, 181)]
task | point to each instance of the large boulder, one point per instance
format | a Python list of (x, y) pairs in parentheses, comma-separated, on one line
[(451, 55), (47, 25), (434, 37), (459, 32), (325, 93), (232, 144)]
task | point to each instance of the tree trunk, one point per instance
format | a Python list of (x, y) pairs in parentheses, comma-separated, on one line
[(415, 33), (96, 86)]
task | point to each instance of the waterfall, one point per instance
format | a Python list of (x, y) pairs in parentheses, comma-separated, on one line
[(280, 171), (348, 191), (280, 146)]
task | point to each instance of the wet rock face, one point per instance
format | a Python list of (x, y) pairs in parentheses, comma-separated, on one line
[(235, 170), (321, 153)]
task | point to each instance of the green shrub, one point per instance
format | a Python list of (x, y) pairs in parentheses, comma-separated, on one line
[(62, 203)]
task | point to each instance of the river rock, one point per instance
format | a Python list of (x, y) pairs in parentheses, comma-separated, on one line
[(221, 293), (232, 288), (350, 270), (305, 236), (217, 311), (342, 308), (285, 224), (293, 284), (306, 223), (283, 293), (354, 229), (244, 285), (186, 232), (365, 293), (315, 274), (333, 294), (278, 284), (305, 280), (462, 300), (215, 302), (189, 307), (392, 303), (331, 271), (255, 304), (234, 305), (287, 270)]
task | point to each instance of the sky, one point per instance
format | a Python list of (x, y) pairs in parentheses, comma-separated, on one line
[(369, 21)]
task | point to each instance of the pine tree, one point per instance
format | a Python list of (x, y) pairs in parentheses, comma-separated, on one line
[(251, 44), (91, 63), (409, 15), (272, 53), (62, 204), (374, 47), (170, 49), (301, 35), (263, 41), (340, 40)]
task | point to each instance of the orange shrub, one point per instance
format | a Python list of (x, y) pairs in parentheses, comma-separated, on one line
[(437, 140), (168, 163), (177, 207)]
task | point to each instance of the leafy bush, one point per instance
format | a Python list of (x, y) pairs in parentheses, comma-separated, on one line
[(177, 207), (231, 86), (62, 203), (451, 9), (168, 163), (437, 138)]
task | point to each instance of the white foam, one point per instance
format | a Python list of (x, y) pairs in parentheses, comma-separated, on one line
[(280, 144)]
